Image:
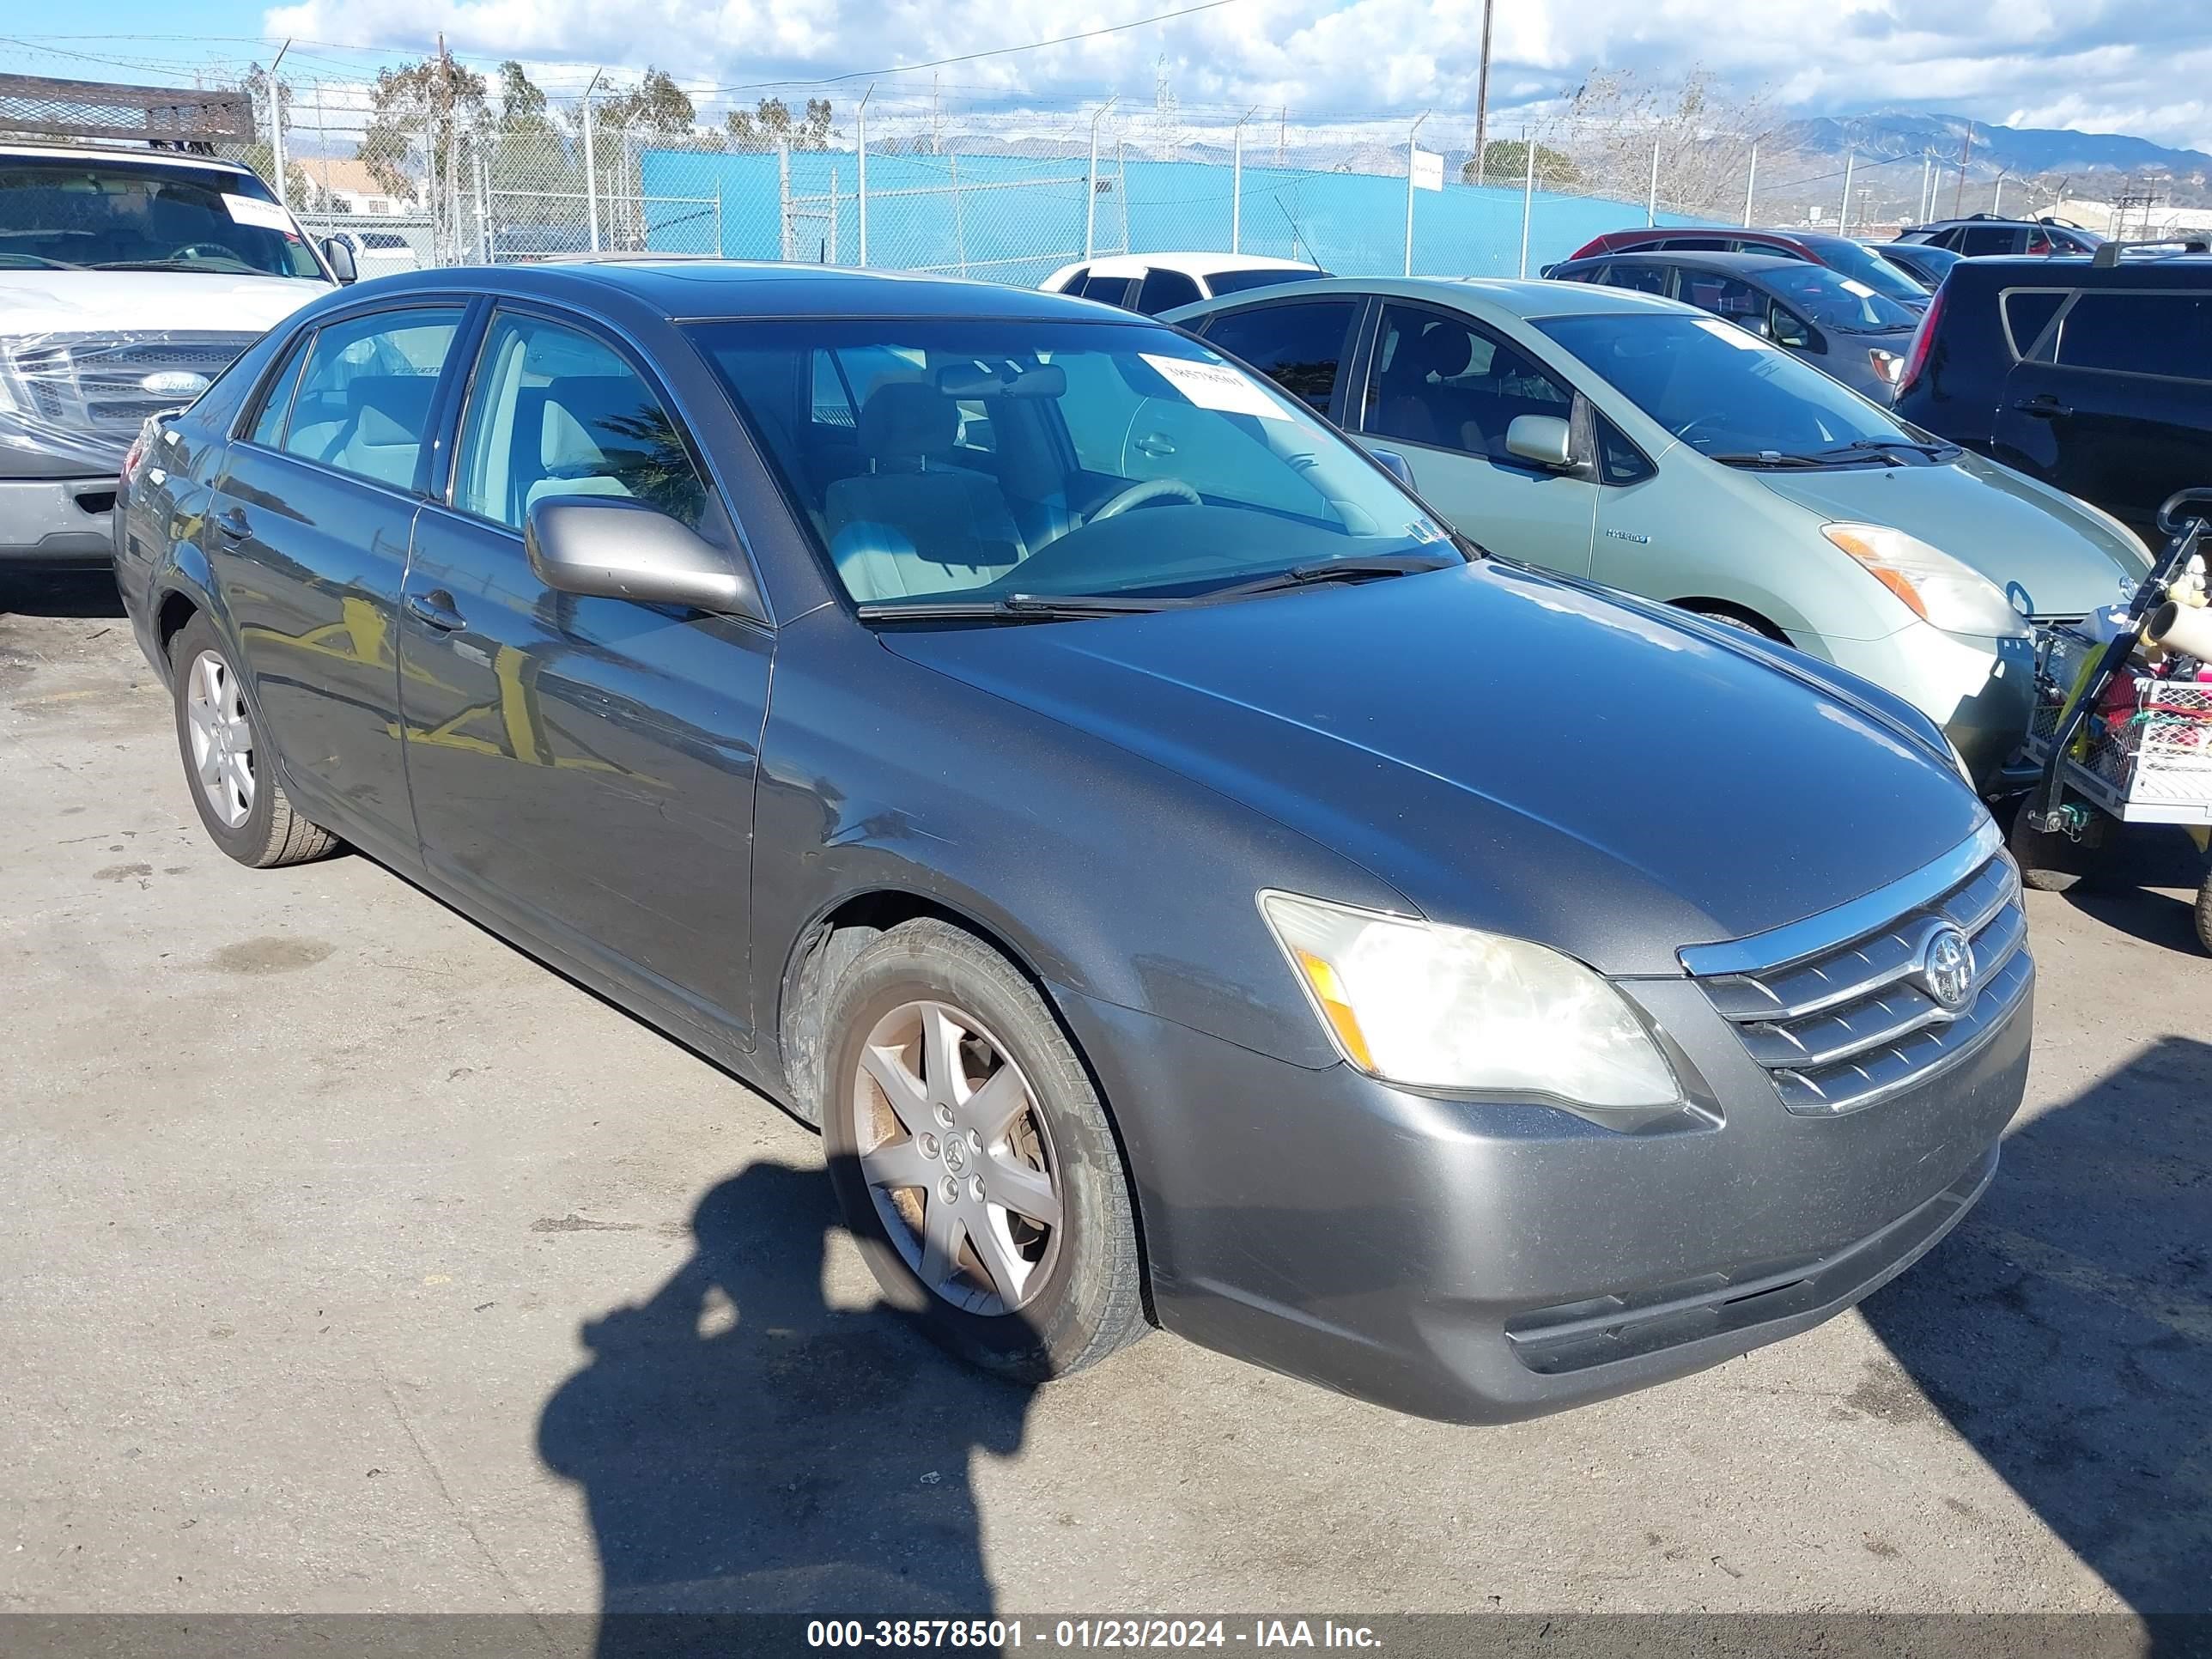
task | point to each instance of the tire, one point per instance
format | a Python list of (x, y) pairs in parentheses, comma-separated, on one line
[(244, 808), (2049, 862), (2204, 912), (1729, 619), (1033, 1298)]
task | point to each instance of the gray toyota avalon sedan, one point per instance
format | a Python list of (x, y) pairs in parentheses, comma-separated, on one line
[(1185, 882)]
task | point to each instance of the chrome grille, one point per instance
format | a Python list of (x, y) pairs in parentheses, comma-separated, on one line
[(1838, 1010), (90, 382)]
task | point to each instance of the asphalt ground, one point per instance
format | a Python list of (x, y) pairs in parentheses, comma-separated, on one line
[(353, 1261)]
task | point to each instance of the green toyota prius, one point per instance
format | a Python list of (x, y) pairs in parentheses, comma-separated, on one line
[(1654, 447)]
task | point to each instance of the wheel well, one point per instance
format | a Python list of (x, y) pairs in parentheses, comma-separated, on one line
[(1743, 613), (177, 609), (833, 941)]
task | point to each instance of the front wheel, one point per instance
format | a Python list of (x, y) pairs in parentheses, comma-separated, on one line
[(973, 1159), (229, 763), (2204, 912)]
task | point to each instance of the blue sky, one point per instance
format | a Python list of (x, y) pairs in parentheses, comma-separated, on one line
[(2108, 66)]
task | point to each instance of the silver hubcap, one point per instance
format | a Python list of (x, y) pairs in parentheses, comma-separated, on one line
[(223, 741), (957, 1157)]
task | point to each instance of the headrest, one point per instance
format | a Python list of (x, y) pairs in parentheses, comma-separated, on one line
[(403, 399), (906, 419), (1442, 349)]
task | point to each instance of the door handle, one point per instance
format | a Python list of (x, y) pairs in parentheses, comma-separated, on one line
[(2044, 407), (1155, 446), (436, 608), (230, 525)]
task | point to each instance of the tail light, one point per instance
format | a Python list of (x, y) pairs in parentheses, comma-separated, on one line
[(148, 429), (1923, 338)]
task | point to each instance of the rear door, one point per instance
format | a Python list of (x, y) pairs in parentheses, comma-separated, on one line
[(2112, 398), (585, 766), (1442, 391), (308, 543)]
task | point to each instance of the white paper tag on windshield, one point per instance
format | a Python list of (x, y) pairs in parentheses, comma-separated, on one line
[(252, 211), (1216, 385), (1741, 338), (1852, 285)]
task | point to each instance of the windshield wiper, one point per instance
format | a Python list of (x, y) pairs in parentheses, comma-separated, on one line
[(1015, 607), (1883, 446), (236, 268), (1337, 570), (37, 261), (1765, 457)]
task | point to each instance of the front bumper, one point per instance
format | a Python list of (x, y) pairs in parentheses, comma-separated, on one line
[(1981, 692), (56, 521), (1480, 1263)]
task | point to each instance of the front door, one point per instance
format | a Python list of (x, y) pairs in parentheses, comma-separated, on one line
[(585, 765), (2113, 397), (308, 540), (1442, 391)]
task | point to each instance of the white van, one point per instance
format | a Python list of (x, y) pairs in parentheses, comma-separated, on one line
[(129, 280)]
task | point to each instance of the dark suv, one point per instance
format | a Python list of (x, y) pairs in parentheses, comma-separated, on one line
[(1986, 234), (2096, 378)]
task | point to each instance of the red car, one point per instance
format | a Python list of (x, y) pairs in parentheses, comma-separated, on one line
[(1854, 259)]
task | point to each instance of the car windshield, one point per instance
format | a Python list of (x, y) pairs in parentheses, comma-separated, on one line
[(57, 213), (1239, 282), (1722, 390), (1865, 266), (980, 459), (1832, 299)]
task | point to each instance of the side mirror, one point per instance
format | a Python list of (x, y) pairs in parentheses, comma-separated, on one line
[(1788, 331), (613, 548), (341, 260), (1393, 463), (1547, 440)]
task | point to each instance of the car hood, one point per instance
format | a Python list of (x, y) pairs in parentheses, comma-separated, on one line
[(2045, 550), (1507, 751), (132, 302)]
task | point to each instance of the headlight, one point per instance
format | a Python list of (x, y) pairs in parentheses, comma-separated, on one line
[(1939, 590), (1451, 1008)]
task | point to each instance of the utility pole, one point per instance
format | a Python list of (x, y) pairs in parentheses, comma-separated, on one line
[(277, 120), (1927, 179), (1651, 201), (1959, 201), (1482, 97), (1751, 183), (590, 166)]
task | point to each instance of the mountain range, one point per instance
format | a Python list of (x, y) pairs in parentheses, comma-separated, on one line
[(1887, 134)]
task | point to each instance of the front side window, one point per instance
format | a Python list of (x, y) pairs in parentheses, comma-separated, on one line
[(1726, 392), (2168, 334), (556, 412), (104, 215), (1724, 296), (1440, 380), (1124, 459), (1641, 276), (363, 401), (1299, 345)]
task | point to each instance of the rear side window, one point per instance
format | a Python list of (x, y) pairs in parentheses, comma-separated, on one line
[(2165, 334), (1163, 290), (269, 425), (1642, 278), (1073, 282), (1108, 290), (1986, 238), (2027, 312), (363, 402), (1299, 346)]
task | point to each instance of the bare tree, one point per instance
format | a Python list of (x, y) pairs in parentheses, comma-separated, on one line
[(1704, 134)]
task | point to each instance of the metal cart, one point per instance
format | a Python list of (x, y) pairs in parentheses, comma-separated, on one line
[(2152, 767)]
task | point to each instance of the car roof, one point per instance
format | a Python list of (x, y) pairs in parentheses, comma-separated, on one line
[(160, 158), (1189, 263), (1514, 296), (691, 289), (1750, 265)]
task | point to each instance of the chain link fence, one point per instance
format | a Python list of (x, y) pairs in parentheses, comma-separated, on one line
[(1010, 195)]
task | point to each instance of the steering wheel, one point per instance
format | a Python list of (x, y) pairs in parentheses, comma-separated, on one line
[(1153, 490), (199, 250)]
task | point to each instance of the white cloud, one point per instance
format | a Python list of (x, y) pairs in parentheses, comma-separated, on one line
[(2110, 66)]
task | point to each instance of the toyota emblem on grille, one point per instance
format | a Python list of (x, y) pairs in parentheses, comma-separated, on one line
[(174, 383), (1947, 968)]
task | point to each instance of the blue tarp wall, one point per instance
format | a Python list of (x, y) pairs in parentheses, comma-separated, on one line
[(1015, 219)]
